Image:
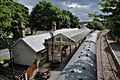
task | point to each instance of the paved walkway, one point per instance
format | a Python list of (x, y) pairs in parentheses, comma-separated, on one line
[(54, 75)]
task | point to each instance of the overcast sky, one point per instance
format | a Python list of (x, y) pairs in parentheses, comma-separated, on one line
[(80, 8)]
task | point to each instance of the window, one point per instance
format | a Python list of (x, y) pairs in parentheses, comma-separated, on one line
[(58, 38), (56, 47), (64, 39), (42, 54)]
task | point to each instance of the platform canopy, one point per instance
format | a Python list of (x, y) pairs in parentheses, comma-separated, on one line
[(69, 37)]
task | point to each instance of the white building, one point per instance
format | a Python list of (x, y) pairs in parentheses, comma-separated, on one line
[(26, 50)]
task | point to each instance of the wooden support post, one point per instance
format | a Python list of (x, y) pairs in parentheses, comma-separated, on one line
[(70, 49), (47, 52), (60, 53)]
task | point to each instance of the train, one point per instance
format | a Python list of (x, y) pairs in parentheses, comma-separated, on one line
[(82, 66)]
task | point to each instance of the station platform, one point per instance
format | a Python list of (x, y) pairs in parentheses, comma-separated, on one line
[(115, 49)]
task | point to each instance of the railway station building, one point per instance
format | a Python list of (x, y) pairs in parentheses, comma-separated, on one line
[(26, 50)]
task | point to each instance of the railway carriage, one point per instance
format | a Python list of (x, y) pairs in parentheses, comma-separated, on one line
[(82, 65)]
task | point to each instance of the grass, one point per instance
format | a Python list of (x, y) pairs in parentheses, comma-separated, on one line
[(3, 58)]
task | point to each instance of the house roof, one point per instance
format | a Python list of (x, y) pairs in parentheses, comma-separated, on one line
[(36, 42)]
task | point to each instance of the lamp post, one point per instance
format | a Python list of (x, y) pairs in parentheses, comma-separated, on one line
[(10, 51), (52, 53), (53, 27)]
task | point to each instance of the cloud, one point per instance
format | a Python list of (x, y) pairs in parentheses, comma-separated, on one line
[(80, 8), (29, 7), (76, 5), (28, 2)]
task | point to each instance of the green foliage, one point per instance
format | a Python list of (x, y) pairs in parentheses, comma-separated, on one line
[(96, 24), (3, 45), (45, 12), (112, 19), (11, 12), (74, 21)]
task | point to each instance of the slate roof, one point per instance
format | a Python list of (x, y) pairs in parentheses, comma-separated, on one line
[(36, 41), (77, 35)]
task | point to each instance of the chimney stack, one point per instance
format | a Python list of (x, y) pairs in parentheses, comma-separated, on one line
[(22, 30), (54, 25)]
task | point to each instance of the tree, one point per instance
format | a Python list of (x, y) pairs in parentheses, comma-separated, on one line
[(112, 8), (11, 15), (45, 12), (96, 24), (74, 21)]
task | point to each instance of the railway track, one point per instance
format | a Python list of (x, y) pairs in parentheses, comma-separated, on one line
[(3, 78), (107, 69)]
